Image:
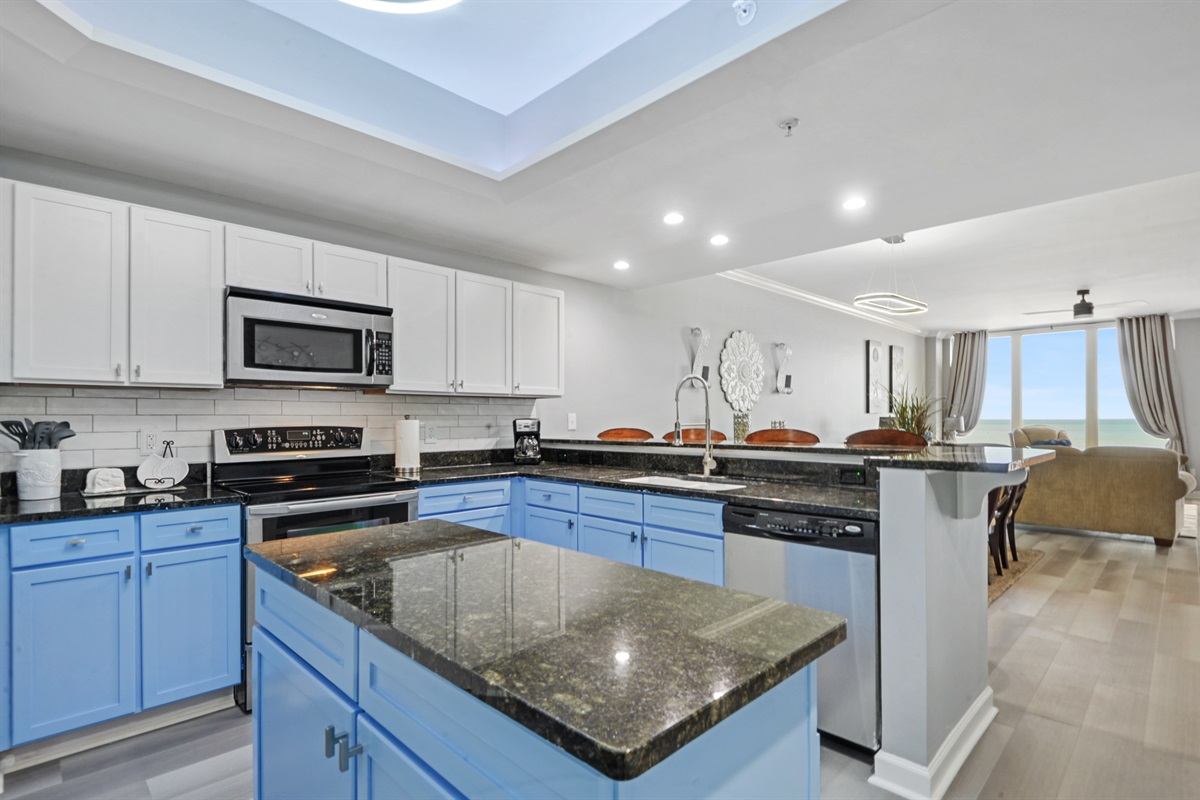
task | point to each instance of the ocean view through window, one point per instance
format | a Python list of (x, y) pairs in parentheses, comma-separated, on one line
[(1051, 387)]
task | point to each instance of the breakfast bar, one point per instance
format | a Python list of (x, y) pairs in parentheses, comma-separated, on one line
[(467, 663)]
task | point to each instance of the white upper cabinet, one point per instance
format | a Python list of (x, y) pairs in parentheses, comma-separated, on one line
[(421, 297), (272, 262), (344, 273), (6, 273), (483, 334), (70, 298), (539, 336), (177, 288)]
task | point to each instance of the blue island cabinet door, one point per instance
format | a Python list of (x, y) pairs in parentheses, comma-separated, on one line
[(687, 555), (74, 646), (5, 620), (619, 541), (190, 622), (389, 771), (302, 725)]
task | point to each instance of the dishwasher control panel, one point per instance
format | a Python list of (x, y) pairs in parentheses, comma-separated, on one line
[(791, 525)]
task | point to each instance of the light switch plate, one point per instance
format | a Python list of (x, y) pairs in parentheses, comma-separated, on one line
[(571, 422)]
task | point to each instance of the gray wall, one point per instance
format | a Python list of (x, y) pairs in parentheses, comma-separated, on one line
[(1187, 353), (625, 350)]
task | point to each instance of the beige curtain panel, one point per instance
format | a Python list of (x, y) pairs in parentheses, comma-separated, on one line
[(968, 377), (1147, 352)]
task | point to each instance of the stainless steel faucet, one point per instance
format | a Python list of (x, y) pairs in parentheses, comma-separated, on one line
[(709, 462)]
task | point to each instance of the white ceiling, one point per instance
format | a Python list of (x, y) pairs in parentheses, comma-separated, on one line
[(938, 112), (1137, 249), (499, 55)]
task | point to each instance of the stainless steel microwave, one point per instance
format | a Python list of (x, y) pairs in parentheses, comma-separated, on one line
[(273, 339)]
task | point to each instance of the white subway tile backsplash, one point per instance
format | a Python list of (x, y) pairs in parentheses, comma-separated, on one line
[(279, 395), (248, 407), (90, 405), (131, 393), (107, 419), (175, 406)]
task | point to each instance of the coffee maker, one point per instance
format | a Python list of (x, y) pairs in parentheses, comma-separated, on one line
[(527, 441)]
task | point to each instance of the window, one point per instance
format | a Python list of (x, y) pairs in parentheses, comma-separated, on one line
[(1116, 423), (1054, 382), (1070, 379)]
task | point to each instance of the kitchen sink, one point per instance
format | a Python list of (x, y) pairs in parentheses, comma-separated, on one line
[(698, 482)]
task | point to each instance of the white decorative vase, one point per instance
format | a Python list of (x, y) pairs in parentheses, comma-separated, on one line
[(39, 474)]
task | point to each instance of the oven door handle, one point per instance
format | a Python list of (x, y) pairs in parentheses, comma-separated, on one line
[(342, 503)]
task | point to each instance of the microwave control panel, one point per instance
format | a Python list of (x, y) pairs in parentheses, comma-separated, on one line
[(282, 440)]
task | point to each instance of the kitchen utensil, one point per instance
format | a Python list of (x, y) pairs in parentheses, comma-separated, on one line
[(41, 435), (16, 430), (20, 440), (62, 430)]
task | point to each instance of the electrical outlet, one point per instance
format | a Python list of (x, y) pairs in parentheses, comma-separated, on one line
[(571, 422), (149, 441), (430, 433)]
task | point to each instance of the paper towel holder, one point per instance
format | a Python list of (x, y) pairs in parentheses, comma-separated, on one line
[(407, 472)]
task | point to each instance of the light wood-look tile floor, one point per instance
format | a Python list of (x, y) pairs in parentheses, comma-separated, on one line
[(1095, 661)]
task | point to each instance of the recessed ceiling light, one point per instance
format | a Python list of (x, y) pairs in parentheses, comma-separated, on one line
[(719, 239), (622, 657), (854, 203), (403, 6), (673, 218), (621, 265)]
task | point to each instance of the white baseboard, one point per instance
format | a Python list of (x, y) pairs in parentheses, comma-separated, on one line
[(914, 781), (68, 744)]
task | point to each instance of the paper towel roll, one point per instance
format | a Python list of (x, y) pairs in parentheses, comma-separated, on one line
[(408, 445)]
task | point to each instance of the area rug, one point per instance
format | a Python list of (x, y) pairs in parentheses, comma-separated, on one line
[(999, 584), (1189, 520)]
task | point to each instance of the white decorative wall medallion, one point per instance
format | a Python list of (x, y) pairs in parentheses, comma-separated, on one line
[(742, 371)]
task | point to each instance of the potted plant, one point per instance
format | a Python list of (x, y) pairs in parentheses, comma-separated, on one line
[(39, 468), (913, 411)]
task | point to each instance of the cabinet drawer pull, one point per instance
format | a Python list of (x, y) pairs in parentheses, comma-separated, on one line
[(75, 542), (194, 528), (468, 497), (345, 752), (547, 495)]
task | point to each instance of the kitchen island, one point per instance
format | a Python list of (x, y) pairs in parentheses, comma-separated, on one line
[(452, 661)]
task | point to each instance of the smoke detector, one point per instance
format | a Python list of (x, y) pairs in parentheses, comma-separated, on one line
[(745, 11)]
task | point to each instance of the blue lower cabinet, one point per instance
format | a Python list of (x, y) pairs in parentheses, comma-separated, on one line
[(191, 601), (688, 555), (305, 736), (488, 519), (5, 644), (74, 646), (389, 771), (559, 528), (619, 541)]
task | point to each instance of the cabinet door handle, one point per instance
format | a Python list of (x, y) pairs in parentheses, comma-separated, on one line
[(516, 387), (194, 528), (345, 752), (570, 524), (308, 286), (128, 571), (137, 371), (75, 542), (331, 740), (118, 370), (321, 287), (633, 536), (149, 567), (460, 384)]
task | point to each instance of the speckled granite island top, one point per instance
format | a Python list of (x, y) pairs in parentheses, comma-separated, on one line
[(617, 665)]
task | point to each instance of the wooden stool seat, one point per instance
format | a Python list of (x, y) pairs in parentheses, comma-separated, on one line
[(888, 437), (694, 436), (788, 437), (625, 435)]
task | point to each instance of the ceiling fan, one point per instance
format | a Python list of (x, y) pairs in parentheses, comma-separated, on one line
[(1085, 309)]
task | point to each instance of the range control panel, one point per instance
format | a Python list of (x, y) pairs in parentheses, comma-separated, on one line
[(284, 440), (791, 525)]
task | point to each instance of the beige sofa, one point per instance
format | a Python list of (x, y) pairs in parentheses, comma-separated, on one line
[(1136, 490)]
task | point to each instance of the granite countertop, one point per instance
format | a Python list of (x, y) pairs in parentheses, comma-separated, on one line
[(619, 666), (856, 503), (72, 505), (948, 457)]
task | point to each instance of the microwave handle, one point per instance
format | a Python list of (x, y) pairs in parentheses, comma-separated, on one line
[(370, 352)]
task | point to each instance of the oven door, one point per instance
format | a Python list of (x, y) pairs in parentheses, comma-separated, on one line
[(266, 523)]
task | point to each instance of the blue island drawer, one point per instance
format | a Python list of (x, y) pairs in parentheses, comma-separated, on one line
[(549, 494), (72, 540), (684, 514), (610, 503), (462, 496), (189, 526)]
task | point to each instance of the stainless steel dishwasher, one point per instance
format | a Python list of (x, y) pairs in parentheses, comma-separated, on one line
[(827, 563)]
